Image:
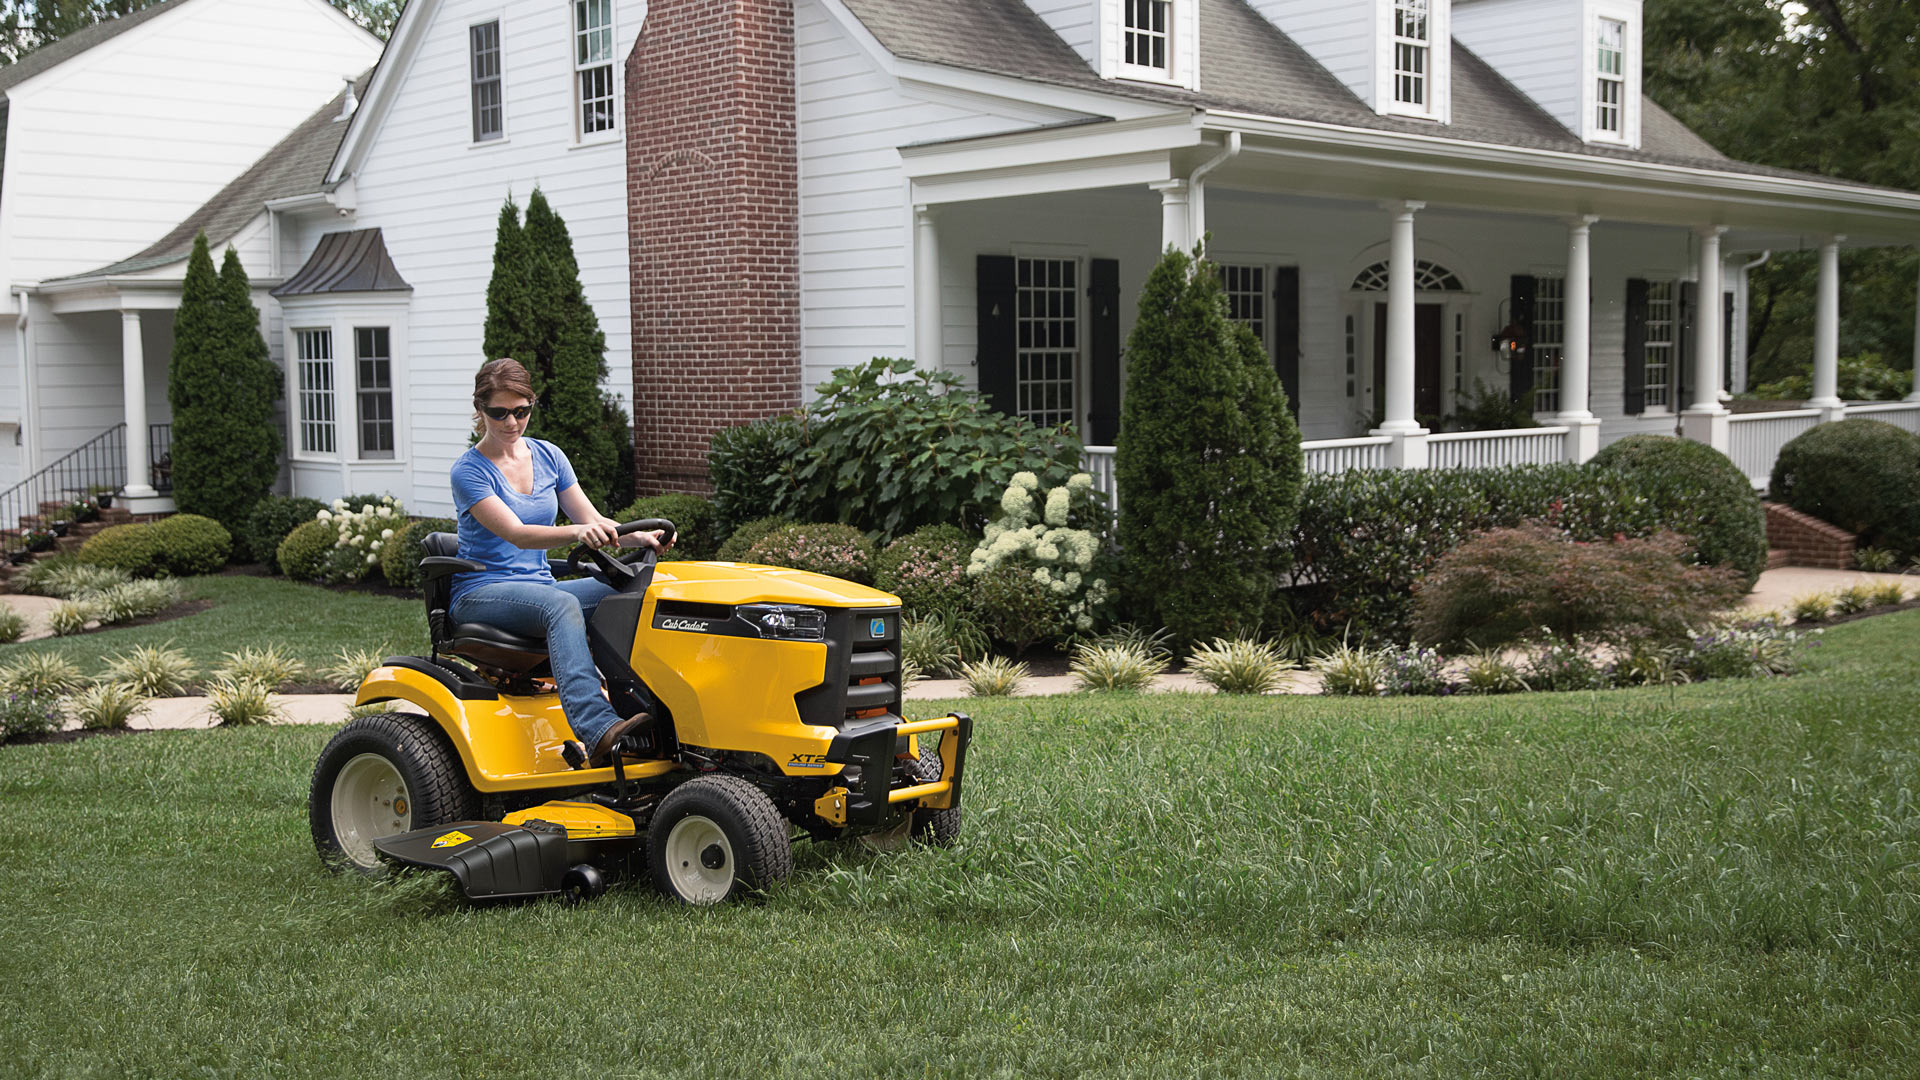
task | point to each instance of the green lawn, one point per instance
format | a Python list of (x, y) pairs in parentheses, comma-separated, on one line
[(1715, 880), (312, 622)]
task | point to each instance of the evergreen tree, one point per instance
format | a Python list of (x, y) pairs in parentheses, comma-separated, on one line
[(1207, 461), (222, 386), (510, 325)]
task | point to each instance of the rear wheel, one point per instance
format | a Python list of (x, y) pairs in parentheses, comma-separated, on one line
[(379, 776), (716, 838)]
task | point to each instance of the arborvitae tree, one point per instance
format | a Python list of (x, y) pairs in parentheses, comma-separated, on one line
[(537, 313), (1207, 461)]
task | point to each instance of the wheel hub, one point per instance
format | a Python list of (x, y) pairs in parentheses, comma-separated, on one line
[(370, 800), (699, 860), (713, 858)]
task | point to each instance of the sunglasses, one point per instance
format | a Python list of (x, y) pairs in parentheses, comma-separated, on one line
[(495, 412)]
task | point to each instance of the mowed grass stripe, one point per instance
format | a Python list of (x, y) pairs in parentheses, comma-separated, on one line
[(1702, 880)]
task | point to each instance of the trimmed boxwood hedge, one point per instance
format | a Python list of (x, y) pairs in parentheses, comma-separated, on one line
[(696, 523), (131, 548), (303, 554), (744, 537), (1704, 495), (1862, 475), (181, 546), (271, 519), (926, 569), (400, 556)]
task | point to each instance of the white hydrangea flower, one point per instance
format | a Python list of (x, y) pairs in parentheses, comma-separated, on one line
[(386, 534), (357, 540), (1057, 501), (1046, 552), (372, 558), (1017, 504), (387, 511), (1027, 480), (324, 515), (1080, 481), (340, 505)]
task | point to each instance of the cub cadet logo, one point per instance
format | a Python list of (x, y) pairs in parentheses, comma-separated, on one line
[(808, 761), (877, 628), (694, 625), (452, 839)]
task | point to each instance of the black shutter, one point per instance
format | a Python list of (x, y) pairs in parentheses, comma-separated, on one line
[(1286, 332), (1520, 314), (1726, 342), (1103, 357), (994, 358), (1636, 350), (1683, 344)]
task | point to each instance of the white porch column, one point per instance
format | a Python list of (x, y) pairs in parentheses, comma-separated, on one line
[(1826, 334), (133, 383), (1705, 420), (1409, 449), (1576, 362), (1176, 225), (927, 347)]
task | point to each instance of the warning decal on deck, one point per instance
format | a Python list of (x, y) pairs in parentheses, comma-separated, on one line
[(452, 839)]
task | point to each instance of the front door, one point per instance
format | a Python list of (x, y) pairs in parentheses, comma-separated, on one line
[(1427, 321)]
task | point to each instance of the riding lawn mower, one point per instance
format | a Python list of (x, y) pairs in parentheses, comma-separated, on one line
[(774, 698)]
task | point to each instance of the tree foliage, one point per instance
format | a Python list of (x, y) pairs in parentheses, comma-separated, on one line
[(538, 313), (222, 386), (26, 25), (1208, 459)]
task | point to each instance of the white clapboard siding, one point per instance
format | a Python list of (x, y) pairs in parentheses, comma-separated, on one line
[(436, 196), (111, 149), (1535, 44), (1341, 36), (1073, 21)]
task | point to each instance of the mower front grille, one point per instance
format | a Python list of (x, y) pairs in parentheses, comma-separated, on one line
[(862, 671)]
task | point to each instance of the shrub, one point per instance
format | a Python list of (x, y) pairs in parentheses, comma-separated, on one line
[(272, 666), (271, 519), (239, 702), (1812, 607), (1567, 665), (1743, 649), (745, 465), (1708, 497), (70, 617), (1035, 532), (1115, 667), (1876, 560), (1350, 670), (1865, 377), (1853, 600), (400, 556), (1889, 593), (840, 551), (136, 600), (1208, 459), (695, 521), (361, 527), (1015, 609), (12, 625), (41, 673), (349, 667), (926, 569), (926, 642), (1240, 666), (189, 544), (153, 670), (1414, 672), (741, 542), (1487, 671), (995, 676), (303, 554), (65, 577), (1647, 663), (109, 705), (1862, 475), (25, 712), (1157, 643), (1513, 584), (132, 549), (1491, 408)]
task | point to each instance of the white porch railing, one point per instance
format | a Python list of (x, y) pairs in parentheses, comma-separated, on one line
[(1904, 414), (1755, 439), (1493, 449), (1339, 455), (1098, 461)]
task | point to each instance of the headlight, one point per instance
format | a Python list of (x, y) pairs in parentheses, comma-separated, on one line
[(789, 622)]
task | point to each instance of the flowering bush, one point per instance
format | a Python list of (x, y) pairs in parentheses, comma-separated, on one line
[(840, 551), (1035, 530), (926, 569), (1415, 671), (1749, 648), (1568, 665), (359, 534), (28, 713)]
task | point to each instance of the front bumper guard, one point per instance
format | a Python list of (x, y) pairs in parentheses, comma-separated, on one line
[(872, 748)]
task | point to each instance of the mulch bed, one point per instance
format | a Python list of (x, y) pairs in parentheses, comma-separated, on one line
[(1836, 620)]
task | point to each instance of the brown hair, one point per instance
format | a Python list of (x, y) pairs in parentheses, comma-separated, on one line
[(498, 376)]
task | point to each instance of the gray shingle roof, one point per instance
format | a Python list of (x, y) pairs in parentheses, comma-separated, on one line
[(297, 165), (355, 261), (1248, 65), (78, 42)]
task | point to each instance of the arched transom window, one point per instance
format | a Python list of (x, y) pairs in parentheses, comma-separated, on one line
[(1427, 277)]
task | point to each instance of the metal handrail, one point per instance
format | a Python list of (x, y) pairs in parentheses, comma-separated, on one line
[(99, 462)]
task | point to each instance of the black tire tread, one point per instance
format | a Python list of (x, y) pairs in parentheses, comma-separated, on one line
[(933, 828), (764, 852), (415, 743)]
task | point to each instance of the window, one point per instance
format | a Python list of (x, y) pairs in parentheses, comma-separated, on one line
[(484, 43), (315, 389), (1410, 53), (1427, 277), (1549, 340), (1610, 66), (1246, 289), (1048, 342), (1144, 33), (593, 64), (1660, 333), (373, 361)]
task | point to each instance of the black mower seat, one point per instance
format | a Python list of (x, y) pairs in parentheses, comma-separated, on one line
[(480, 643), (492, 637)]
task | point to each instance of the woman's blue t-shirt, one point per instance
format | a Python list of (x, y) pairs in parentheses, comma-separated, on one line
[(474, 479)]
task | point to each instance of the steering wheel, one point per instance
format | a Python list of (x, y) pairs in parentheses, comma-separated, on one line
[(621, 571)]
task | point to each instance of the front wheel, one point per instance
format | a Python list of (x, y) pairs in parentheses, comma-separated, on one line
[(381, 775), (716, 838)]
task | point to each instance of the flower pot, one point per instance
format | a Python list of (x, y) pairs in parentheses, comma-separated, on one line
[(40, 543), (105, 500), (20, 558), (60, 527)]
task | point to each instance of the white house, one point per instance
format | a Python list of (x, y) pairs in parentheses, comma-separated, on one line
[(113, 136)]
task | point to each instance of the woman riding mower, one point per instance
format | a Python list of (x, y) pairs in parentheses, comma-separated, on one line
[(506, 489)]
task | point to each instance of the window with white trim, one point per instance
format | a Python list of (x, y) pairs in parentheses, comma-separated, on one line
[(1658, 373), (1047, 348), (483, 44), (1144, 34), (1246, 290), (593, 65), (373, 363), (1412, 50), (1549, 341), (1610, 67), (314, 372)]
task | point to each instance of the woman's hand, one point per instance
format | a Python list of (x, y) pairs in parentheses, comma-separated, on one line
[(592, 534), (650, 539)]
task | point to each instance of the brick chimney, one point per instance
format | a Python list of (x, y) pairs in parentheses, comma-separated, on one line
[(713, 211)]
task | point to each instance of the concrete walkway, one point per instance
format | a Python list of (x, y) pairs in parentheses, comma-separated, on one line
[(1774, 591)]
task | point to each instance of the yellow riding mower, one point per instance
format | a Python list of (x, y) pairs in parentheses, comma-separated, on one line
[(775, 704)]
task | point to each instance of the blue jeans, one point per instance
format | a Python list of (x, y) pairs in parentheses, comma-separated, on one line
[(557, 611)]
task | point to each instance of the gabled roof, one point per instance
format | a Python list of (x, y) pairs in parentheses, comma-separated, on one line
[(297, 165), (343, 262), (59, 52), (1249, 65)]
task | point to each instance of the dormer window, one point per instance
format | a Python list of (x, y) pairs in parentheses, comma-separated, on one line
[(1610, 79), (1145, 33), (1412, 46), (1148, 40)]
